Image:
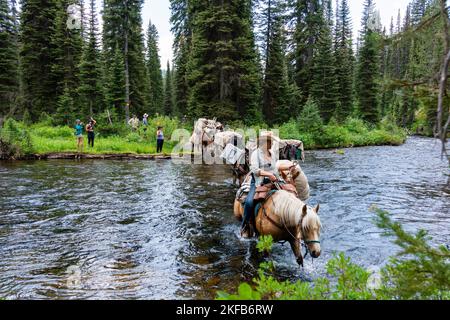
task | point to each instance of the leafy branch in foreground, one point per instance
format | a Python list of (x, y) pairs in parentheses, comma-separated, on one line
[(420, 271)]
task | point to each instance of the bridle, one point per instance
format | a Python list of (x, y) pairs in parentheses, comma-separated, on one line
[(307, 242), (303, 243)]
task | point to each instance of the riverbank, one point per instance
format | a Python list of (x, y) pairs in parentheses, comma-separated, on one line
[(42, 141)]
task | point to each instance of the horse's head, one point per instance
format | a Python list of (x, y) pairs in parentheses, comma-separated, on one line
[(311, 228)]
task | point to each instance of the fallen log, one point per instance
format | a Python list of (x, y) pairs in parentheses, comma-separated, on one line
[(73, 155)]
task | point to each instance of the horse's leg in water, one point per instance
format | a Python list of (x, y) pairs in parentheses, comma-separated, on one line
[(247, 230), (297, 249)]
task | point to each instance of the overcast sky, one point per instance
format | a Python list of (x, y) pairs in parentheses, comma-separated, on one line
[(159, 13)]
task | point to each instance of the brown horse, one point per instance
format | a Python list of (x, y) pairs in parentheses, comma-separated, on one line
[(287, 218)]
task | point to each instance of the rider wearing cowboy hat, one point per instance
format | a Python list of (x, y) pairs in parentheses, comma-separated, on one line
[(262, 169)]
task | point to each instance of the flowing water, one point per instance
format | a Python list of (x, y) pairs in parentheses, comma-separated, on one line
[(156, 230)]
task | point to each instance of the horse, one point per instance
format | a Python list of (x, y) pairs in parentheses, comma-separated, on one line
[(286, 218), (202, 138)]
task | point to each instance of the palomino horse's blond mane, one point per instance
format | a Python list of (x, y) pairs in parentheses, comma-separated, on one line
[(289, 209)]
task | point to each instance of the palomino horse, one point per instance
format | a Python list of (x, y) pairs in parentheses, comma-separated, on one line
[(287, 218)]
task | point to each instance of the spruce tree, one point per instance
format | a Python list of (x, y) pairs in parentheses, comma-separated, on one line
[(324, 84), (122, 25), (68, 45), (182, 29), (369, 74), (223, 69), (308, 23), (268, 15), (38, 55), (9, 84), (344, 60), (154, 70), (168, 93), (114, 80), (276, 102), (91, 90), (418, 10)]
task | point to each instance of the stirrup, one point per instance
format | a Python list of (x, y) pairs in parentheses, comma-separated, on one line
[(247, 231)]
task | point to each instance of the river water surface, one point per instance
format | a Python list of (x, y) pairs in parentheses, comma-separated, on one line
[(156, 230)]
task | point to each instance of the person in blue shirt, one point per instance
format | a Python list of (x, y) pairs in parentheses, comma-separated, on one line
[(79, 134)]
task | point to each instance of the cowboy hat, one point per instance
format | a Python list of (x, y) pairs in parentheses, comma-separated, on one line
[(266, 136)]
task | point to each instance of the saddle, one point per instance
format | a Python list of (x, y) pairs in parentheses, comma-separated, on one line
[(265, 191)]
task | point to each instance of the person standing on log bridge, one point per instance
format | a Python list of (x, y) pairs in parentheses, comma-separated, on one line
[(90, 131), (79, 134), (159, 140)]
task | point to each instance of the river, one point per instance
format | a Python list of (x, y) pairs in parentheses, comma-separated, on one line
[(155, 230)]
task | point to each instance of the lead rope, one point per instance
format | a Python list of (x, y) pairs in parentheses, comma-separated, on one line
[(302, 243)]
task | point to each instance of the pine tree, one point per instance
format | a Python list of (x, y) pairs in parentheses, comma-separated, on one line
[(223, 69), (324, 84), (368, 77), (309, 21), (181, 87), (368, 11), (418, 10), (182, 29), (9, 84), (65, 111), (344, 61), (154, 70), (68, 45), (90, 69), (276, 102), (122, 25), (168, 93), (115, 81), (37, 56), (267, 14)]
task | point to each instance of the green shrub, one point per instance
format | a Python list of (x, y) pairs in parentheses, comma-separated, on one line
[(26, 118), (45, 119), (355, 125), (310, 120), (335, 137), (349, 282), (169, 125), (17, 138), (289, 130), (133, 137), (265, 244), (115, 129), (420, 271)]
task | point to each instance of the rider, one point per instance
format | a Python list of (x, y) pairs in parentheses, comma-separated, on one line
[(262, 170)]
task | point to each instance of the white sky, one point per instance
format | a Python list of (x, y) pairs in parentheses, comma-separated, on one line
[(159, 13)]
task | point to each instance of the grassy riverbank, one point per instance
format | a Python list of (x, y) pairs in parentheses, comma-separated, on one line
[(43, 138), (352, 133)]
